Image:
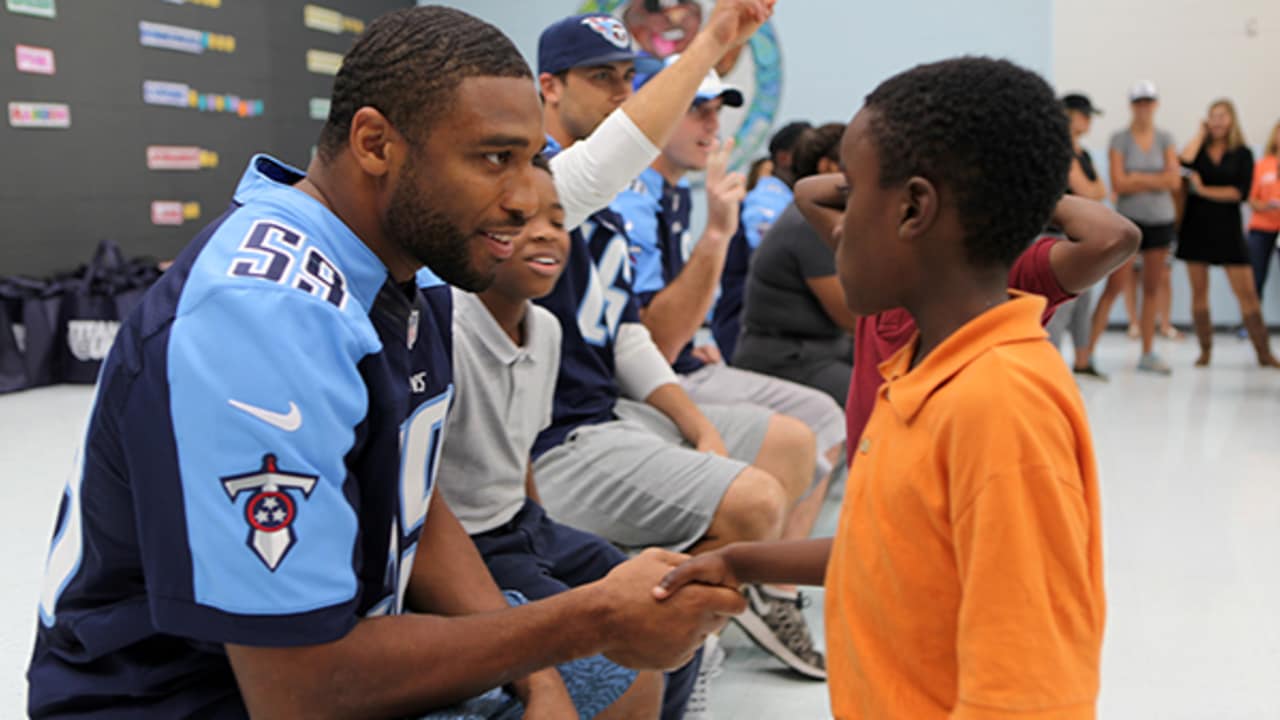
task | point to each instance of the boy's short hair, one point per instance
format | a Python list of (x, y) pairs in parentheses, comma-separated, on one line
[(815, 144), (988, 131)]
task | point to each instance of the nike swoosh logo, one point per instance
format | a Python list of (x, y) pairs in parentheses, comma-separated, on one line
[(288, 422)]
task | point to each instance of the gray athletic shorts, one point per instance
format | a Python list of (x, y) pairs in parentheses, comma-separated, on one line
[(720, 384), (636, 482)]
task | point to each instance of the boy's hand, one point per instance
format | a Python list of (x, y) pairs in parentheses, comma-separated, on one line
[(733, 22), (709, 354), (725, 191), (709, 441), (713, 568), (645, 634)]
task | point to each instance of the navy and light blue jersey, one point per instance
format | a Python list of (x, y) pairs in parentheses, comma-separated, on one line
[(592, 297), (257, 464), (760, 209), (657, 216)]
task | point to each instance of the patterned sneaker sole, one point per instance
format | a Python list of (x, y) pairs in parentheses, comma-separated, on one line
[(756, 629)]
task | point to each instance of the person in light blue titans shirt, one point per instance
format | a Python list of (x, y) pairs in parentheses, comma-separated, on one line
[(760, 209), (252, 526)]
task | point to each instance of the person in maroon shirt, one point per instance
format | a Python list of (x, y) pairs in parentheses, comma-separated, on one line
[(1097, 241)]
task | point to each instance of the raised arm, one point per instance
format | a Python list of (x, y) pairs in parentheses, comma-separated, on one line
[(1101, 240), (1081, 185), (820, 199)]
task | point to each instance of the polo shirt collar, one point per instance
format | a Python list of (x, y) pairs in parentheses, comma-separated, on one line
[(907, 390), (486, 328)]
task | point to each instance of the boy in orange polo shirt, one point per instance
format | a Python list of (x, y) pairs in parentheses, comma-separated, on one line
[(965, 579)]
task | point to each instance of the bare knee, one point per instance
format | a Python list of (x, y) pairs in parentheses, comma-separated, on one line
[(789, 453), (642, 701), (754, 508)]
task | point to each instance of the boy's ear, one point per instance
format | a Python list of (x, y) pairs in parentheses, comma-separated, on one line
[(919, 208)]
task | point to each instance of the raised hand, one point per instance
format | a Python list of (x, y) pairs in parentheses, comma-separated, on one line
[(733, 22), (725, 191)]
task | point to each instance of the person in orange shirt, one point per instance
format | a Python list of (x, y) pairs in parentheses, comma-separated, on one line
[(1264, 226), (965, 579)]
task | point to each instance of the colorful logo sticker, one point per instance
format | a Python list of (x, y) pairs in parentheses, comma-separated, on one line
[(319, 109), (180, 157), (758, 72), (37, 60), (323, 62), (172, 37), (172, 212), (330, 21), (39, 115), (202, 3), (181, 95), (37, 8)]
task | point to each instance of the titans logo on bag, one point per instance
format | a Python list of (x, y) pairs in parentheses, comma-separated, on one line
[(270, 511)]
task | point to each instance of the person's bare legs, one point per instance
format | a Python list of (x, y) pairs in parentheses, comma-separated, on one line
[(1198, 276), (1116, 285), (805, 513), (1152, 274), (1165, 305), (1131, 297), (753, 508), (642, 701), (1245, 289)]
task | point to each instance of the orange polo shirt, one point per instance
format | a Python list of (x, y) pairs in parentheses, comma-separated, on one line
[(965, 579), (1266, 186)]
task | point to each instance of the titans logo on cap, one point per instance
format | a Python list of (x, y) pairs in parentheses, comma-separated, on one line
[(610, 29)]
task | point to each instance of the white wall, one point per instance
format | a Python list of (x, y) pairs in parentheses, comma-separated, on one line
[(1195, 51)]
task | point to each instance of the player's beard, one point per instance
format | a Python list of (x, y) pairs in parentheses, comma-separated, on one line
[(430, 237)]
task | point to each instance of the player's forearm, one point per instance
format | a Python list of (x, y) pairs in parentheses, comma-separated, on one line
[(409, 664), (661, 103), (794, 562), (451, 579), (678, 310), (821, 201), (675, 403)]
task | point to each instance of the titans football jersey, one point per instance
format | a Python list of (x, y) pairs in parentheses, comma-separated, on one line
[(656, 216), (257, 464), (592, 297), (760, 209)]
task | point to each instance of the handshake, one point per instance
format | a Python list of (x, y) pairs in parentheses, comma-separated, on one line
[(660, 606)]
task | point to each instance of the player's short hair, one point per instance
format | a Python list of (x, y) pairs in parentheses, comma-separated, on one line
[(989, 132), (820, 142), (408, 63)]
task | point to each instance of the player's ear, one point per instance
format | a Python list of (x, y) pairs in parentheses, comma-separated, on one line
[(375, 142), (919, 208)]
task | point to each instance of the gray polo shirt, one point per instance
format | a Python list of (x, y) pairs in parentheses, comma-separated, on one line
[(503, 399), (1149, 208)]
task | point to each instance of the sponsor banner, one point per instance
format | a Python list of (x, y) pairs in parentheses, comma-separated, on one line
[(37, 60), (201, 3), (323, 62), (319, 108), (181, 95), (39, 115), (173, 37), (173, 212), (330, 21), (37, 8), (180, 157)]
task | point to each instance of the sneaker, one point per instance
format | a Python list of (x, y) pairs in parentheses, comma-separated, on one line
[(1091, 371), (775, 623), (699, 705), (1152, 363)]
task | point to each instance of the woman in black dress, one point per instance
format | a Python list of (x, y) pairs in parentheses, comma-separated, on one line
[(1219, 171)]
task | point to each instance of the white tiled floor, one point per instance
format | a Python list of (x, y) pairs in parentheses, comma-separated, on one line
[(1191, 491)]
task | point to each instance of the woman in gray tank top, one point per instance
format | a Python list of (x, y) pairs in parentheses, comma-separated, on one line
[(1144, 174)]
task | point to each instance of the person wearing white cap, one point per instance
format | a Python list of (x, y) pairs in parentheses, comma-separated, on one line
[(1144, 174)]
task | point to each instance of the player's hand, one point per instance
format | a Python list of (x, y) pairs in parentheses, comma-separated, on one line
[(647, 635), (713, 568), (733, 22), (725, 191), (709, 441), (709, 354), (547, 697)]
